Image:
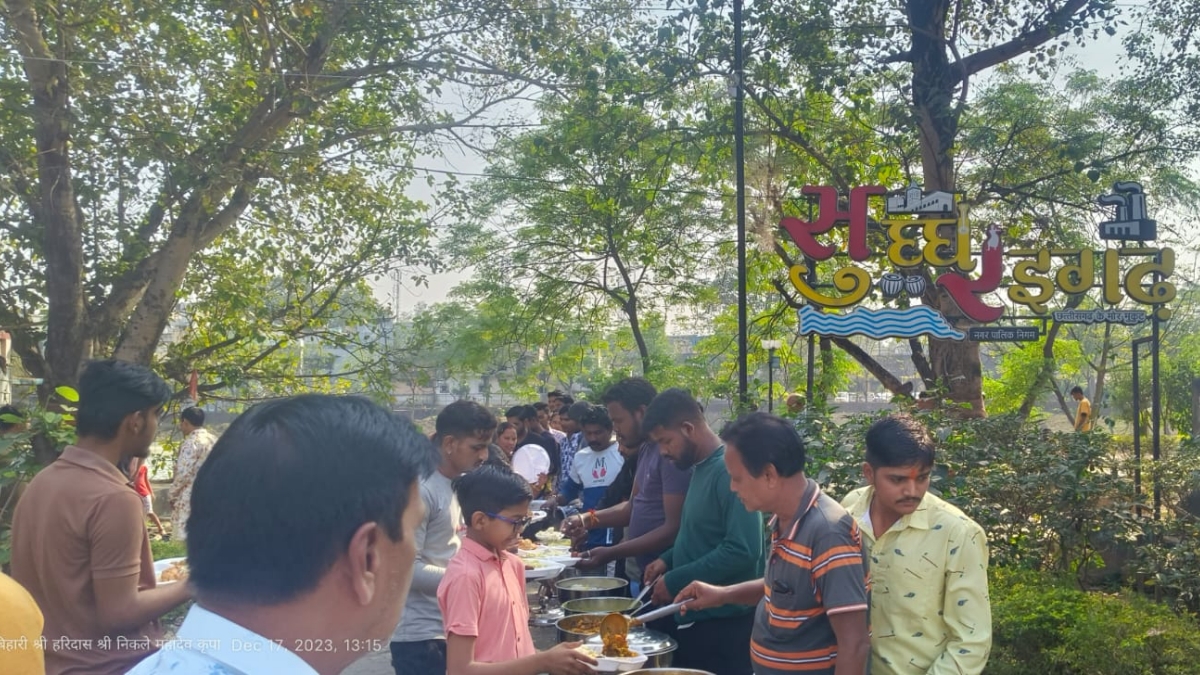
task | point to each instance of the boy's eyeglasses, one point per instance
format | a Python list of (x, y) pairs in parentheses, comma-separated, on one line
[(517, 523)]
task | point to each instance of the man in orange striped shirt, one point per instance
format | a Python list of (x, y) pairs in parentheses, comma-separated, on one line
[(813, 599)]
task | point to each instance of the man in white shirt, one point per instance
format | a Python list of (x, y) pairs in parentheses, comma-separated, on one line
[(197, 443), (463, 432), (594, 468), (301, 541)]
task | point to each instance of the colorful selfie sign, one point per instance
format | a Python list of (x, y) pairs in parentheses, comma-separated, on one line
[(934, 229)]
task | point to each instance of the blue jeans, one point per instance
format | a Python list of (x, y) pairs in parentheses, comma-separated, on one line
[(427, 657)]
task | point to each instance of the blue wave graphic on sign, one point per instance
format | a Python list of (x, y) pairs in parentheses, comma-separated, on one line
[(879, 324)]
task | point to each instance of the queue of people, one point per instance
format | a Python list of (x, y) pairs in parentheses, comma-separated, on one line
[(319, 526)]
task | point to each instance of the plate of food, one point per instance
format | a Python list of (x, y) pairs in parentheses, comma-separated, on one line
[(541, 569), (567, 561), (537, 515), (170, 570), (551, 536), (630, 659)]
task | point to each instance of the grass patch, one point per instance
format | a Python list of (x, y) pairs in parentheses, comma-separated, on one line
[(168, 549)]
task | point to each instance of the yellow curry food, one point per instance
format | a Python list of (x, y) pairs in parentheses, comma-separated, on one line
[(585, 625), (617, 646)]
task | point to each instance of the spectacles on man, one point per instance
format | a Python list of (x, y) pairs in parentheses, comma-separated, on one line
[(517, 523)]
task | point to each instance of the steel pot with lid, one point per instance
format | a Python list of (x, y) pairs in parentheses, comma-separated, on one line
[(658, 648), (578, 627), (602, 605), (577, 588)]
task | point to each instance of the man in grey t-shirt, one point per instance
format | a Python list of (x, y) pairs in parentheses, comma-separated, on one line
[(464, 431)]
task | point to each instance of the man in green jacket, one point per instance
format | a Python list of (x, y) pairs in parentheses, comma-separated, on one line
[(719, 541)]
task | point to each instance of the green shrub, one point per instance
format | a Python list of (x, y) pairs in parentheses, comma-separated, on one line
[(1029, 612), (1042, 625), (1048, 501)]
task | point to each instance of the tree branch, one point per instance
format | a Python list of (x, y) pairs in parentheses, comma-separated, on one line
[(1055, 24)]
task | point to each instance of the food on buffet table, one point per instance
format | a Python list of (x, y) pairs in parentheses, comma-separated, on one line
[(616, 645), (534, 564), (527, 545), (551, 535), (585, 624), (178, 571)]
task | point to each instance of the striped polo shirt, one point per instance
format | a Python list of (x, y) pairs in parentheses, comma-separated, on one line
[(816, 569)]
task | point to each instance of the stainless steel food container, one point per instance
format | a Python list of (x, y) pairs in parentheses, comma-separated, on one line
[(603, 605), (659, 649), (577, 588), (565, 628)]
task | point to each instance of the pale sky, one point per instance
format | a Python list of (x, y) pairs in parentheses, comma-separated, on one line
[(1103, 55)]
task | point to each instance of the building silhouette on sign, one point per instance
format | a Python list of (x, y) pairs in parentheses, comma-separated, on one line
[(1130, 223), (913, 200)]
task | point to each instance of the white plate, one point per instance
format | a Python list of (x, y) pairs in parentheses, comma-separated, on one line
[(613, 664), (161, 566), (537, 515), (551, 537), (547, 570), (566, 561)]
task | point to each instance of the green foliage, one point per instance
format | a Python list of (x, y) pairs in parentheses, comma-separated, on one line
[(168, 549), (53, 425), (244, 163), (600, 214), (1019, 370), (1048, 501), (1041, 625)]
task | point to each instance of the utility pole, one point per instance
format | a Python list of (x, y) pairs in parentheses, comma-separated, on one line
[(739, 154)]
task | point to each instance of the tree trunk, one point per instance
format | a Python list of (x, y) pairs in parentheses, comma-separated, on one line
[(56, 209), (635, 326), (1102, 372), (153, 312), (885, 377), (917, 353), (1195, 406), (955, 363), (1049, 365), (825, 383)]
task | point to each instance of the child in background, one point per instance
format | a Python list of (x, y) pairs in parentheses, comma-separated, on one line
[(140, 480), (482, 595)]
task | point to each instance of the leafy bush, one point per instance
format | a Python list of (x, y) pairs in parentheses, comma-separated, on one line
[(1047, 500), (1043, 626), (54, 425)]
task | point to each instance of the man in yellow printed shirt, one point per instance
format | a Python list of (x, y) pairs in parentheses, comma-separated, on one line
[(1083, 415), (930, 613)]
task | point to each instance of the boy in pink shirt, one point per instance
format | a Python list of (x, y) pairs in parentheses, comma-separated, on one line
[(482, 595)]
